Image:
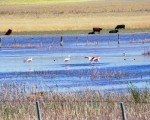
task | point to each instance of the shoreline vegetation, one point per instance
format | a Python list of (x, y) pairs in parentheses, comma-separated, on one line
[(74, 16), (16, 105), (75, 32)]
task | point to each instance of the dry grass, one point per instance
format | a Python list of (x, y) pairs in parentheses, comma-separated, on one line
[(17, 104), (11, 2), (75, 16)]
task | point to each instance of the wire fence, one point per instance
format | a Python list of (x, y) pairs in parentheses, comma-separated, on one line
[(73, 40), (76, 110), (66, 101)]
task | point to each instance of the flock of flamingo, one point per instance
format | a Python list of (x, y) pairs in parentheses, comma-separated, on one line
[(67, 59)]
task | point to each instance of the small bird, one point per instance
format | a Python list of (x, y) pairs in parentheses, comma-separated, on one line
[(28, 59), (66, 59)]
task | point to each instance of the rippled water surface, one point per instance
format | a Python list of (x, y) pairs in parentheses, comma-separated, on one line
[(119, 64)]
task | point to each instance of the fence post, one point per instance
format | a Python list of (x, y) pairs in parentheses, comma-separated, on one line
[(87, 40), (38, 110), (123, 111), (118, 38), (0, 42), (76, 40), (61, 41)]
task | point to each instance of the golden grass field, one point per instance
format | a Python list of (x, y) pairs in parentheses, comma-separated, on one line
[(75, 15)]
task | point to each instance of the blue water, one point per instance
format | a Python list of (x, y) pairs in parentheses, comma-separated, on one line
[(49, 71)]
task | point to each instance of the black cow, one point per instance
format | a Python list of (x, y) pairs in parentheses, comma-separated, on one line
[(9, 31), (97, 29), (113, 31), (120, 27), (91, 32)]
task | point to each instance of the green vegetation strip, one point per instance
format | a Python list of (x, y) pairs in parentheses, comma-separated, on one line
[(74, 32)]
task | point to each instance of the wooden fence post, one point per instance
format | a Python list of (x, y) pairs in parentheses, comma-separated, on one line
[(118, 38), (123, 111), (38, 110), (61, 41), (76, 40), (0, 42)]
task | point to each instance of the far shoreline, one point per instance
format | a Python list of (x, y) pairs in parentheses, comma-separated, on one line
[(76, 32)]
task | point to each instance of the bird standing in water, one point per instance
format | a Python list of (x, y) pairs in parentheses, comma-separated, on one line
[(67, 59), (93, 58), (28, 59)]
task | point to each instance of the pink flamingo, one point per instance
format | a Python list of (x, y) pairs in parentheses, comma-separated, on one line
[(28, 59), (93, 58), (67, 59)]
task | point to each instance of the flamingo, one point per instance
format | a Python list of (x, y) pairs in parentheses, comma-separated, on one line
[(66, 59), (28, 59), (93, 58)]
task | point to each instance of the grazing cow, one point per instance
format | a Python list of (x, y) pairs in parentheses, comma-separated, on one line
[(9, 31), (120, 27), (91, 32), (97, 29), (113, 31)]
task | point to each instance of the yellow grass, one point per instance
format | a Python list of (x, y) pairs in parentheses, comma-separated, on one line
[(74, 16), (11, 2)]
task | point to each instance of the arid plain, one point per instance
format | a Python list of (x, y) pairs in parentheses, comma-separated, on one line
[(75, 15)]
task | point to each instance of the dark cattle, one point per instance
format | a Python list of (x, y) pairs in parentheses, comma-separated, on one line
[(91, 32), (120, 27), (8, 32), (113, 31), (96, 29)]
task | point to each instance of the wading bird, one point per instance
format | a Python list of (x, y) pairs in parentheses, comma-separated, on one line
[(67, 59), (93, 58), (28, 59)]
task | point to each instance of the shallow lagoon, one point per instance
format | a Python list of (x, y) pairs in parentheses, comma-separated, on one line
[(119, 64)]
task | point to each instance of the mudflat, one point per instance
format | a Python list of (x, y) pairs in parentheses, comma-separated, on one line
[(75, 15)]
